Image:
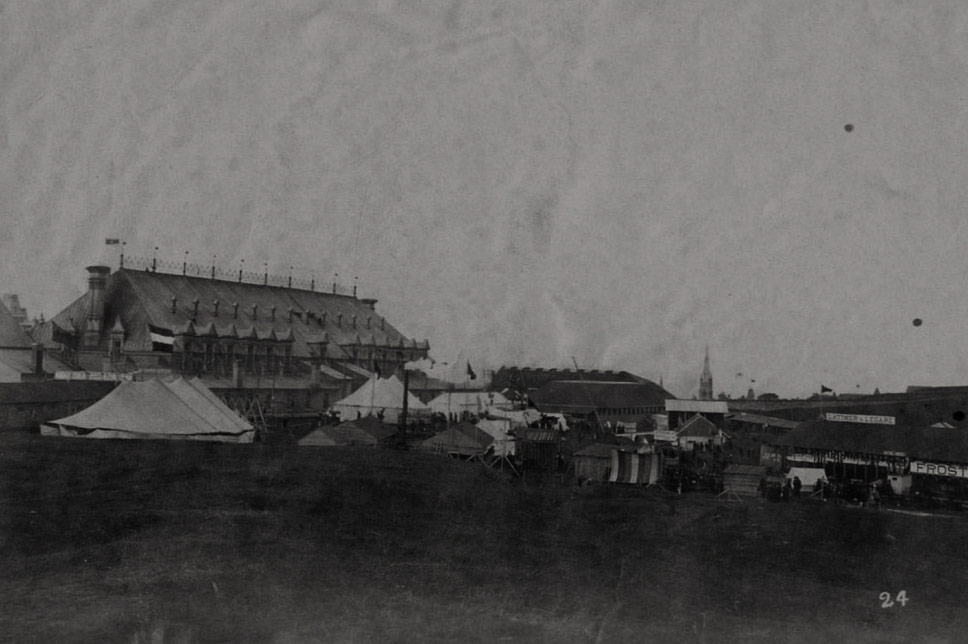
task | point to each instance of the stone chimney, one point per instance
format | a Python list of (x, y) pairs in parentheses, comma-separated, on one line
[(97, 279), (38, 354)]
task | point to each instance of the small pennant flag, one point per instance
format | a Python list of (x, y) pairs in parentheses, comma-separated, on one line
[(112, 241), (826, 390), (470, 372), (161, 339)]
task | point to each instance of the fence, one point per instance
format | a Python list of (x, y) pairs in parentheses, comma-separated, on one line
[(193, 269)]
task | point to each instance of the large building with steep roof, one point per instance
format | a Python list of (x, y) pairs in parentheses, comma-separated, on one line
[(234, 335)]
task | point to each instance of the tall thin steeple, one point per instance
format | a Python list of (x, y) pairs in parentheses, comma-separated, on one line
[(706, 379)]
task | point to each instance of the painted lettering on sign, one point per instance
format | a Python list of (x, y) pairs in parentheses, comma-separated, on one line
[(939, 469), (860, 418)]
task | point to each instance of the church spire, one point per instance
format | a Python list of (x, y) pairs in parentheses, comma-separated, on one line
[(706, 379)]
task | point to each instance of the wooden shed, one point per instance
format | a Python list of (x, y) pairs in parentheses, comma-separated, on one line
[(743, 480), (593, 462), (539, 449)]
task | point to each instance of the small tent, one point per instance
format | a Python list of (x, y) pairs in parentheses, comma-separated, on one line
[(593, 462), (376, 395), (367, 431), (176, 410), (498, 430), (463, 439), (633, 466)]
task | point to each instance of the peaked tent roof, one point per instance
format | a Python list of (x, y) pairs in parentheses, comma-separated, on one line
[(463, 438), (380, 393), (342, 435), (372, 426), (155, 409)]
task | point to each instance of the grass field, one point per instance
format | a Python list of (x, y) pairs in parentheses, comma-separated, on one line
[(105, 541)]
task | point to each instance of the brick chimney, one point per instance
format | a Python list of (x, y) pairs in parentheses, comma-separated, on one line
[(38, 354), (97, 279)]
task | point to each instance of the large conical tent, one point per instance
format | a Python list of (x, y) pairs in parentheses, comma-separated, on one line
[(176, 410), (376, 395)]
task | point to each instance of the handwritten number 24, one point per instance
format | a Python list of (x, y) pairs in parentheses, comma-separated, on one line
[(888, 602)]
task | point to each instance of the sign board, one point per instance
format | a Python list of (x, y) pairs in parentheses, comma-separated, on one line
[(103, 376), (665, 435), (940, 469), (860, 418)]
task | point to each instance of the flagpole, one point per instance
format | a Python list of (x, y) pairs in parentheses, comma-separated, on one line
[(373, 392), (821, 402)]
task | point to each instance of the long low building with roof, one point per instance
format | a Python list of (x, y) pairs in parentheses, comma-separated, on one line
[(610, 401), (873, 450)]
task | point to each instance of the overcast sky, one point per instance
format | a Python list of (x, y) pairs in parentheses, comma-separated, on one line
[(622, 182)]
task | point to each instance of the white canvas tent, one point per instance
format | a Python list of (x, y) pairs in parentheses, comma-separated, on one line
[(379, 394), (808, 475), (498, 430), (177, 410), (475, 402)]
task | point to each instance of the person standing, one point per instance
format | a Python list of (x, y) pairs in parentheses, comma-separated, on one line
[(796, 486)]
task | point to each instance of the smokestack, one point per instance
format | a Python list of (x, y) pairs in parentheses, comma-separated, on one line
[(97, 279), (38, 353)]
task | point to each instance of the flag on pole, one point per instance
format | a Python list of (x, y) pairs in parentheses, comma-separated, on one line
[(826, 390), (112, 241), (470, 372), (162, 339)]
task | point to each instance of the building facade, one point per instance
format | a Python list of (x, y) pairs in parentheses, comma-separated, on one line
[(236, 336)]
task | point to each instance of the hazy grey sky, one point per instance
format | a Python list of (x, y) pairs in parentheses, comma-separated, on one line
[(524, 181)]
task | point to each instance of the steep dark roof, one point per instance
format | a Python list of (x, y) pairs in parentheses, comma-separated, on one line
[(931, 443), (12, 335), (581, 397), (140, 298)]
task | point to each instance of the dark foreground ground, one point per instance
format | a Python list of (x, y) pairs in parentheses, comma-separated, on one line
[(105, 541)]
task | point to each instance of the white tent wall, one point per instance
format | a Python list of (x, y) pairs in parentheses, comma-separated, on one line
[(808, 475), (498, 430), (376, 395), (153, 410)]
